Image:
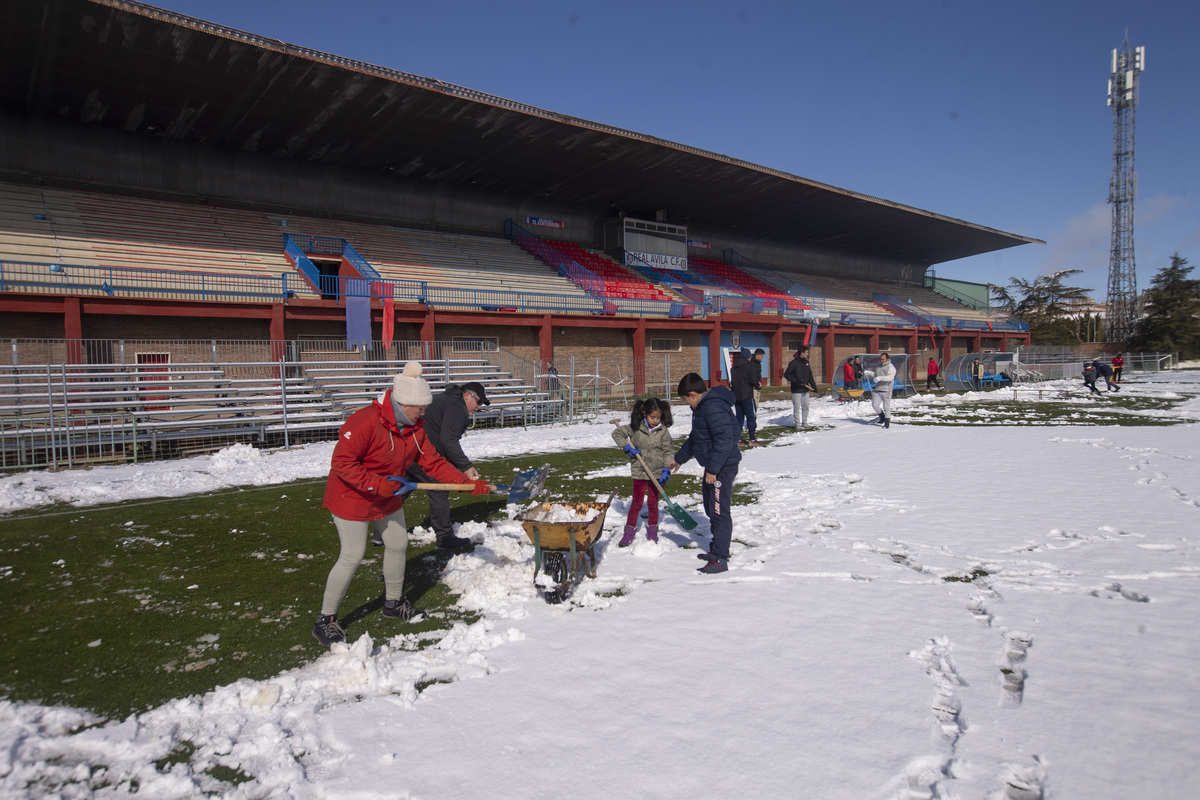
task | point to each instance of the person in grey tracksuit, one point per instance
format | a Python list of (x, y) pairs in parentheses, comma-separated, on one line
[(881, 396)]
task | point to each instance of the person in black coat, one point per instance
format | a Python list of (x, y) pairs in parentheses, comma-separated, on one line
[(742, 384), (799, 375), (1106, 371), (446, 420), (713, 442), (756, 363)]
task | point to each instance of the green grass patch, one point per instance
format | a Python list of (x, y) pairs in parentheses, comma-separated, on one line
[(121, 608), (968, 577)]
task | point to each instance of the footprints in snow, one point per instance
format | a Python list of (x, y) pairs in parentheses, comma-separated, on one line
[(1011, 673), (924, 775), (1115, 589)]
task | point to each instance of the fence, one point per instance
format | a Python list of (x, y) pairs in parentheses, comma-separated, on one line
[(66, 404), (1054, 362)]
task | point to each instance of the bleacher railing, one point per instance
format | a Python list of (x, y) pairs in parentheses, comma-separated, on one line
[(568, 267), (309, 284), (42, 278), (323, 284), (327, 245), (810, 298)]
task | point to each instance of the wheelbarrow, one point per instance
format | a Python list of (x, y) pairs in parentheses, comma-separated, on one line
[(563, 549)]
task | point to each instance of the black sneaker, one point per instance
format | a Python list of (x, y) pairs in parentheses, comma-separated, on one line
[(401, 609), (714, 566), (887, 423), (327, 631), (702, 556), (376, 538), (452, 542)]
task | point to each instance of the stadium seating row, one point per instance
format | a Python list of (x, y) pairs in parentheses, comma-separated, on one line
[(75, 227)]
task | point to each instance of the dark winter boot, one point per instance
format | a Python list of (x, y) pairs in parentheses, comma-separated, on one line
[(887, 423), (652, 533), (714, 566), (401, 609), (448, 541), (327, 631), (881, 420), (627, 539)]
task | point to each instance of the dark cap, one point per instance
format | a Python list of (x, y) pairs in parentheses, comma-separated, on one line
[(476, 388)]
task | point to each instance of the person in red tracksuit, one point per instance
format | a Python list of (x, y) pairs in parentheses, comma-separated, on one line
[(1118, 364), (377, 442), (849, 378), (931, 375)]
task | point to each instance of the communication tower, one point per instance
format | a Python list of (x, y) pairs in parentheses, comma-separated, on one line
[(1127, 66)]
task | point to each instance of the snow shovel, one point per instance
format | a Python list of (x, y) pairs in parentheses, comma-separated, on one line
[(674, 509), (524, 486)]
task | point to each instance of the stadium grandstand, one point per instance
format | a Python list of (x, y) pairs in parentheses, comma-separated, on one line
[(207, 235)]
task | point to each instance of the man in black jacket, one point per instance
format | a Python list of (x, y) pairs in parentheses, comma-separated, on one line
[(446, 420), (799, 375), (742, 384)]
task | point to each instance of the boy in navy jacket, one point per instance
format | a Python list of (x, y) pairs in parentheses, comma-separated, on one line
[(714, 443)]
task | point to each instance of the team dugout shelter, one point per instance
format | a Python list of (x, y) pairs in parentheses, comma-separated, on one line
[(163, 177)]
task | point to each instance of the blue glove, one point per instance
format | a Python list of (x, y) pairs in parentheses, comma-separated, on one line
[(666, 476), (631, 451), (404, 487)]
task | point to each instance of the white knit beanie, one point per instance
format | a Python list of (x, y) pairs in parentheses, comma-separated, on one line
[(408, 389)]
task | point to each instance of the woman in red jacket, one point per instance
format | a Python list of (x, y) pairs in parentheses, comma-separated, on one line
[(377, 442)]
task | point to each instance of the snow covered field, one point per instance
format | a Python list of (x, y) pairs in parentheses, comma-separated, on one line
[(949, 611)]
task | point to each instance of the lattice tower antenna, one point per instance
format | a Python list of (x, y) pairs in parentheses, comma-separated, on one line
[(1127, 66)]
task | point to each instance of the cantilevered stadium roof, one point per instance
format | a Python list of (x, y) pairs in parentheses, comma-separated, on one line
[(136, 68)]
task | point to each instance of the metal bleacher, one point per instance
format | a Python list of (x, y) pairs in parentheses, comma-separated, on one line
[(78, 413)]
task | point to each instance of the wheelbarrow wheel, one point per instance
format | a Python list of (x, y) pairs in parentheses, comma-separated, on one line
[(558, 572)]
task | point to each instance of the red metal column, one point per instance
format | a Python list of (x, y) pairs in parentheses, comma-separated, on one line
[(829, 339), (276, 331), (546, 341), (777, 357), (714, 354), (639, 357), (73, 330), (427, 334)]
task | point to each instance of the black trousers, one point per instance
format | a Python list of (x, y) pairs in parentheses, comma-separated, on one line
[(439, 503)]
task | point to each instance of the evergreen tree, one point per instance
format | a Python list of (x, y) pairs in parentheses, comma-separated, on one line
[(1046, 303), (1172, 321)]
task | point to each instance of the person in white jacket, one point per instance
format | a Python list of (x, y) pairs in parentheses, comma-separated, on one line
[(881, 396)]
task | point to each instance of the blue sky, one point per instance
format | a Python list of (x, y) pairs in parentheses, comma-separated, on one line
[(990, 112)]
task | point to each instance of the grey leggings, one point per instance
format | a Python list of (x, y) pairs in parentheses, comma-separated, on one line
[(353, 535)]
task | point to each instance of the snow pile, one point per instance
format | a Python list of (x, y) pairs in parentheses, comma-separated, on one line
[(559, 512)]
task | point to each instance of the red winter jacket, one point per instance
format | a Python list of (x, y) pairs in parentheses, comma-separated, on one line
[(933, 368), (848, 373), (371, 448)]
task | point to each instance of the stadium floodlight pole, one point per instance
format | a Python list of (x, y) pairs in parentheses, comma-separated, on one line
[(1127, 65)]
